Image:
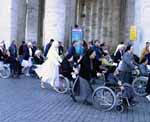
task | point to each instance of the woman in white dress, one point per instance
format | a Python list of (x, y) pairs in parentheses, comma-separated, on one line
[(49, 70)]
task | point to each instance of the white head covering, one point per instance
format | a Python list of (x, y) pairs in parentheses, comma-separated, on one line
[(37, 52), (29, 44), (118, 48)]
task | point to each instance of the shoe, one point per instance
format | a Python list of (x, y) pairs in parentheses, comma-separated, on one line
[(87, 102), (148, 97), (28, 75), (73, 98)]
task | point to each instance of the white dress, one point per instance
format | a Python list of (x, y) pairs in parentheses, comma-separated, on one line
[(49, 70)]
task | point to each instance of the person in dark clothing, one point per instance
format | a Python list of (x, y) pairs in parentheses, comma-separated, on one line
[(67, 67), (113, 80), (1, 54), (34, 47), (13, 50), (85, 73), (22, 48), (60, 49), (119, 53), (97, 50), (72, 51), (28, 51), (14, 64), (67, 71), (48, 47), (38, 59)]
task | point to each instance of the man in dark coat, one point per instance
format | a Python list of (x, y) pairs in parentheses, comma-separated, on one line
[(48, 47)]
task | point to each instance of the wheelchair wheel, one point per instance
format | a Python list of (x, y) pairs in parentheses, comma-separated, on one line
[(5, 72), (120, 108), (62, 86), (139, 86), (104, 98)]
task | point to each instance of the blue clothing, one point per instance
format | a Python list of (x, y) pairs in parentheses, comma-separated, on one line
[(147, 56), (127, 63), (47, 49), (144, 70), (13, 50), (98, 52)]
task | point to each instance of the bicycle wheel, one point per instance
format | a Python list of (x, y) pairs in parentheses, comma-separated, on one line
[(139, 86), (104, 98), (61, 86), (5, 72)]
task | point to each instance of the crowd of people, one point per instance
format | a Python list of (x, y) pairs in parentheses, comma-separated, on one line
[(93, 58)]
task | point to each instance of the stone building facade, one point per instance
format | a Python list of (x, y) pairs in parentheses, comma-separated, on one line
[(39, 20)]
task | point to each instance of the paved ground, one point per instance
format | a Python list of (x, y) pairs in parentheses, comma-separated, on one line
[(24, 101)]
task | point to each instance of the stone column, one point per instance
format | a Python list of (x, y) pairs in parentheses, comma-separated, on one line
[(18, 20), (115, 22), (32, 22), (69, 20), (104, 20), (54, 21), (5, 27), (129, 18)]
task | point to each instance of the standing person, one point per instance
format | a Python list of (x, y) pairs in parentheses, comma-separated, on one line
[(72, 51), (146, 50), (85, 73), (60, 49), (27, 58), (48, 46), (13, 49), (22, 48), (96, 48), (49, 70), (127, 65), (34, 47), (28, 51)]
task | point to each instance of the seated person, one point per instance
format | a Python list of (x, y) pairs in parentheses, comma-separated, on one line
[(145, 72), (38, 59), (14, 64), (126, 88), (67, 67), (67, 70), (143, 68), (2, 53)]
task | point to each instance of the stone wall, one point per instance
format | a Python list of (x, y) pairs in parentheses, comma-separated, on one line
[(18, 20), (32, 20), (100, 20), (54, 21), (5, 24)]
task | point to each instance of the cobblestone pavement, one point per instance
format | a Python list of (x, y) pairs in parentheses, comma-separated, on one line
[(24, 101)]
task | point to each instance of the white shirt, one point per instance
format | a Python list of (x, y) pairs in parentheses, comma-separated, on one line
[(30, 52)]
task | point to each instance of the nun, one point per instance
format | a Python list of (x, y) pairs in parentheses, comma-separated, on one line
[(48, 72)]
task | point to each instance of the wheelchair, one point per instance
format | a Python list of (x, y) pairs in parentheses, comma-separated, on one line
[(63, 85), (108, 97), (139, 83), (4, 70)]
